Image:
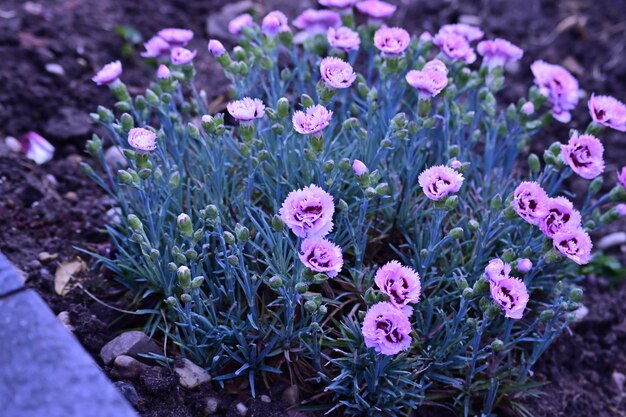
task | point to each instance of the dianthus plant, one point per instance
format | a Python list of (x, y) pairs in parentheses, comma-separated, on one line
[(362, 221)]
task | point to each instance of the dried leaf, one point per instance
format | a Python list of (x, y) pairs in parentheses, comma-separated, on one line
[(64, 275)]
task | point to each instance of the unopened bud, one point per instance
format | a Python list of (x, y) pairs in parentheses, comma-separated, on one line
[(276, 282), (242, 233), (184, 224), (277, 223), (229, 238), (233, 260), (184, 276), (135, 223)]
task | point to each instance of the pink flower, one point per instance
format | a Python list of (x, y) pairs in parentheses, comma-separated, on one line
[(559, 86), (343, 38), (621, 177), (386, 329), (376, 9), (216, 48), (36, 148), (400, 283), (163, 72), (560, 216), (524, 265), (497, 270), (321, 255), (430, 80), (246, 109), (528, 108), (498, 52), (274, 23), (359, 168), (574, 244), (620, 209), (313, 121), (308, 212), (530, 201), (314, 22), (141, 139), (511, 295), (391, 41), (182, 56), (338, 4), (108, 74), (468, 32), (608, 111), (235, 26), (337, 73), (456, 164), (155, 47), (584, 155), (426, 36), (454, 47), (175, 36), (439, 181)]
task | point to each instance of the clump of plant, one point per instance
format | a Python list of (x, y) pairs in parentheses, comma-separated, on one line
[(362, 221)]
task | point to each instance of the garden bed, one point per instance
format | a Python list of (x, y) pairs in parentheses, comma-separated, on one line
[(52, 208)]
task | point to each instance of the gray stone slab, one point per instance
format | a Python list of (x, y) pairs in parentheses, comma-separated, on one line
[(44, 372), (10, 279)]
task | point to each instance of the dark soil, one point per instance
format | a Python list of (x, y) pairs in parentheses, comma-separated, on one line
[(53, 208)]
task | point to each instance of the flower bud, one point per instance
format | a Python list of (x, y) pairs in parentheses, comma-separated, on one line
[(185, 298), (124, 177), (462, 283), (310, 306), (154, 254), (211, 212), (342, 205), (319, 278), (382, 189), (233, 260), (229, 238), (277, 223), (170, 301), (94, 145), (242, 233), (184, 225), (134, 223), (180, 258), (306, 101), (456, 233), (344, 164), (509, 255), (191, 254), (301, 287), (473, 225), (595, 185), (468, 293), (174, 181), (497, 345), (197, 282), (496, 203), (533, 163), (184, 276), (546, 314), (451, 202), (576, 295), (481, 286)]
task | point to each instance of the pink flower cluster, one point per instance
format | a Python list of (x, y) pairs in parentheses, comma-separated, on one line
[(498, 52), (430, 80), (508, 292), (170, 41), (236, 26), (392, 41), (314, 22), (386, 327), (559, 86), (343, 38), (621, 177), (311, 121), (274, 23), (337, 73), (556, 218), (608, 111), (108, 74), (584, 155), (454, 41), (338, 4), (376, 9), (246, 109), (439, 181)]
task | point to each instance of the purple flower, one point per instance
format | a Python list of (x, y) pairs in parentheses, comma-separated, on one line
[(608, 111), (530, 201), (426, 36), (337, 73), (468, 32), (274, 23), (216, 48), (343, 38), (182, 56), (620, 209), (621, 176), (430, 80), (498, 52), (338, 4), (439, 181), (246, 109), (386, 329), (574, 244), (524, 265), (313, 121), (584, 155), (559, 86), (497, 270), (321, 255), (163, 72), (454, 47), (400, 283), (235, 26), (155, 47), (36, 148), (314, 22), (376, 9), (560, 215), (141, 139), (108, 74), (511, 295), (528, 108), (391, 41), (308, 212), (359, 168), (175, 36)]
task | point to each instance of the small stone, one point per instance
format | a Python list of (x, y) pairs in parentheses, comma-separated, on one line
[(13, 144), (127, 367), (114, 215), (241, 409), (291, 395), (130, 343), (191, 375), (71, 196), (580, 313), (47, 257), (64, 318), (266, 399), (51, 180), (612, 239), (115, 158), (128, 391), (55, 69), (618, 380), (211, 405), (68, 123)]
